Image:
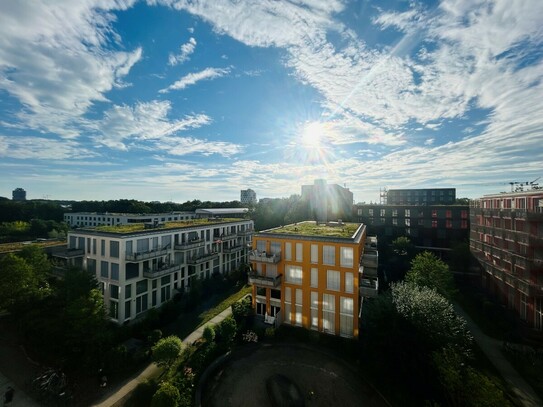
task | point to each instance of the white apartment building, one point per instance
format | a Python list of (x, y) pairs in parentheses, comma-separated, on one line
[(248, 196), (83, 219), (140, 266)]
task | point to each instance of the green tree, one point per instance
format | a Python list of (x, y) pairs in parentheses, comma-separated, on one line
[(18, 282), (402, 246), (209, 334), (429, 271), (167, 395), (227, 331), (36, 258), (167, 350)]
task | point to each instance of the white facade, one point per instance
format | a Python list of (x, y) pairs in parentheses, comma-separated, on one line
[(82, 219), (248, 196), (143, 269)]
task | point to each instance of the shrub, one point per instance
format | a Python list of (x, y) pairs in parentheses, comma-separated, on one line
[(167, 395), (143, 394), (270, 333), (209, 333)]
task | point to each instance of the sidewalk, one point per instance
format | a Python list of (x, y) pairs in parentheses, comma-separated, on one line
[(492, 348), (123, 391), (20, 399)]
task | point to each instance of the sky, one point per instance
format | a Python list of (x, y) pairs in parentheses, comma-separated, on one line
[(166, 100)]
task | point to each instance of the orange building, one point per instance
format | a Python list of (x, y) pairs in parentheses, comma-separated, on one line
[(314, 275)]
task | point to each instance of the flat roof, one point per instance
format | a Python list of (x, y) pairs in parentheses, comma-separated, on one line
[(137, 228), (222, 210), (344, 230)]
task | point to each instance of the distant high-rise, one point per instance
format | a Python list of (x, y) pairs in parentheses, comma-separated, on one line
[(328, 201), (426, 196), (19, 194), (248, 196)]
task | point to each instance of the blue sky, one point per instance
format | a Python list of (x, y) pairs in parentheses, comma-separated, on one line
[(180, 100)]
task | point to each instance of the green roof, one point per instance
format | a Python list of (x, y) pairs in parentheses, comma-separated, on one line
[(310, 228), (140, 227)]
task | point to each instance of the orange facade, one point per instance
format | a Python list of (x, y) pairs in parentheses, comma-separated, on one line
[(316, 279)]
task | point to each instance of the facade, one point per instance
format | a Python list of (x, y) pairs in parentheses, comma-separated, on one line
[(328, 201), (18, 194), (140, 266), (314, 275), (248, 196), (507, 238), (84, 219), (430, 226), (429, 196), (222, 212)]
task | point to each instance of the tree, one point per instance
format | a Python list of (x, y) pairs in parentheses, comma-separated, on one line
[(402, 246), (227, 330), (18, 281), (209, 334), (429, 271), (36, 258), (167, 395), (167, 350)]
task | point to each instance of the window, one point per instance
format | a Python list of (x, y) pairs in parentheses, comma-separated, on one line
[(394, 212), (288, 299), (346, 256), (329, 255), (93, 246), (91, 266), (346, 316), (382, 212), (114, 291), (299, 251), (288, 251), (332, 280), (328, 313), (113, 309), (128, 291), (464, 214), (104, 269), (114, 249), (407, 222), (261, 245), (128, 247), (314, 277), (370, 212), (165, 293), (275, 247), (115, 271), (141, 287), (538, 314), (314, 310), (314, 253), (464, 224), (102, 247), (127, 310), (141, 304), (349, 282), (407, 213), (298, 315), (293, 274), (523, 307), (434, 213), (448, 224), (153, 299), (448, 213)]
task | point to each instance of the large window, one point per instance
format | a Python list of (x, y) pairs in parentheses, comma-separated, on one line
[(141, 287), (114, 249), (298, 316), (332, 280), (113, 309), (314, 253), (314, 310), (261, 245), (275, 247), (114, 291), (115, 271), (348, 282), (299, 251), (346, 316), (314, 277), (346, 259), (128, 291), (127, 310), (293, 274), (102, 247), (288, 251), (104, 269), (288, 304), (141, 303), (329, 255), (329, 313)]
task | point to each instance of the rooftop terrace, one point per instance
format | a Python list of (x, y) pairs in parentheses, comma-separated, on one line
[(310, 228), (141, 227)]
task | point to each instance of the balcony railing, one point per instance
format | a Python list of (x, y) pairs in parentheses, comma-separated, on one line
[(69, 253), (151, 254), (263, 281), (246, 232), (225, 237), (233, 249), (161, 271), (367, 271), (369, 287), (191, 244), (264, 257), (370, 259), (202, 258)]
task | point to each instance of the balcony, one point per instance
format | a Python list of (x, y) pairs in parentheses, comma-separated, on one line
[(202, 258), (69, 253), (370, 259), (263, 281), (246, 232), (191, 244), (225, 237), (263, 257), (151, 254), (367, 272), (369, 287), (233, 249), (161, 271), (535, 290)]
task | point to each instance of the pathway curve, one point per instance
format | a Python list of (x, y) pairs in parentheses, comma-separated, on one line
[(492, 348), (118, 393)]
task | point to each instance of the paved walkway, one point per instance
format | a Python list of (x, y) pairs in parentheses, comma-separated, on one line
[(20, 399), (492, 348), (118, 393)]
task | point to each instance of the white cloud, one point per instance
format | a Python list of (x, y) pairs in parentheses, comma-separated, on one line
[(181, 146), (184, 55), (56, 59), (193, 78), (41, 148)]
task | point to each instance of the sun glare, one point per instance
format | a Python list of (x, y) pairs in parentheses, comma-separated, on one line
[(312, 135)]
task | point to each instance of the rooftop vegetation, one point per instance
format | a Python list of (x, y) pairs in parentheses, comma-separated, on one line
[(310, 228), (138, 227)]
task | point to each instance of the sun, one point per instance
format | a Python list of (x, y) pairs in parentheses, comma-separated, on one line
[(313, 134)]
